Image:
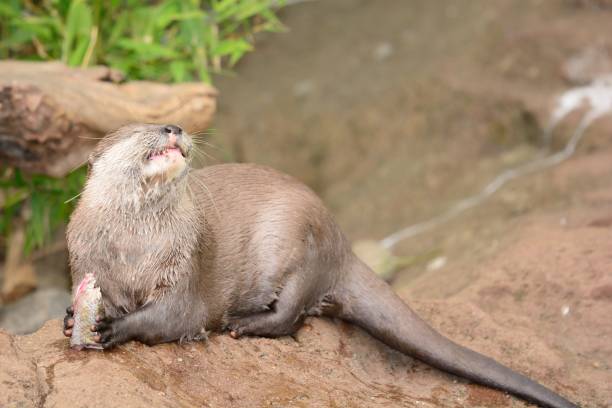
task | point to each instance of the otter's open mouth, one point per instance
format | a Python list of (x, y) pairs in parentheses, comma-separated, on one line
[(165, 163), (168, 152)]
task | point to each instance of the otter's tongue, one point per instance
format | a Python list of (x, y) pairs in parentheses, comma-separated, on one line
[(169, 152)]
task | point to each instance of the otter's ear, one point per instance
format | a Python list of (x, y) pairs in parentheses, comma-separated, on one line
[(90, 161)]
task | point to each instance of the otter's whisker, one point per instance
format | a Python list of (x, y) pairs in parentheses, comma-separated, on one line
[(201, 184), (198, 155), (210, 131), (202, 152), (193, 196), (91, 138), (205, 143)]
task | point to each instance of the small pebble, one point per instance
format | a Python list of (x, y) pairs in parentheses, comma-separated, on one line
[(565, 310), (383, 51), (436, 263), (303, 88)]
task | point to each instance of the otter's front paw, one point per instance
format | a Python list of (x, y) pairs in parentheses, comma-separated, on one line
[(235, 329), (68, 321), (108, 332)]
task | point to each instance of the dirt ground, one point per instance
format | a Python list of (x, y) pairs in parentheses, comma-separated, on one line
[(541, 305), (392, 111)]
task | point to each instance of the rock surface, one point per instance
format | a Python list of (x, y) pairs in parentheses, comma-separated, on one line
[(542, 305), (29, 313)]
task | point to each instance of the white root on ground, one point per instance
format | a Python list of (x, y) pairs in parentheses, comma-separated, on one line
[(598, 98)]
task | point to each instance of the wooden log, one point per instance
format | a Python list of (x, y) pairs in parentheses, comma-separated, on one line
[(52, 115), (19, 277)]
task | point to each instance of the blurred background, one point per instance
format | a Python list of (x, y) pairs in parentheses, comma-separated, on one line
[(392, 111)]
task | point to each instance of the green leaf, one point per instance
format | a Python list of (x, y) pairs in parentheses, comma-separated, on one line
[(37, 226), (77, 55), (234, 48), (78, 26), (147, 51), (179, 70), (117, 30)]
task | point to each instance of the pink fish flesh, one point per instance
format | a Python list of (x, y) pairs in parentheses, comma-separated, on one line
[(87, 306)]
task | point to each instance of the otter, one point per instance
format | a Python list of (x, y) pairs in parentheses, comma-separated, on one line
[(236, 248)]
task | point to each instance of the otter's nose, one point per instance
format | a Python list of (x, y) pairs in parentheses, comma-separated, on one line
[(174, 133), (173, 129)]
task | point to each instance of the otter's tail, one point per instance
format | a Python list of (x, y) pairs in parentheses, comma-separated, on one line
[(390, 320)]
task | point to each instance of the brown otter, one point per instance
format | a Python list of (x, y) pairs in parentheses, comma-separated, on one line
[(235, 247)]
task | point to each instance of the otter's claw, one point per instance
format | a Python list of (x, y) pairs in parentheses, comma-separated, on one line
[(68, 321), (106, 329)]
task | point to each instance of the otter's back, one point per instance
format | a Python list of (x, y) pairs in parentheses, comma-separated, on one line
[(245, 188)]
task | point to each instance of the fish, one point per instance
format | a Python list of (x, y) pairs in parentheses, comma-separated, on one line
[(87, 305)]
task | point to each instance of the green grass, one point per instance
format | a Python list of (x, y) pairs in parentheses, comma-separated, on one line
[(167, 41), (49, 202)]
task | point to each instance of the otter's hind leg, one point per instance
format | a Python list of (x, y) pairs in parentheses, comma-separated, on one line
[(285, 316)]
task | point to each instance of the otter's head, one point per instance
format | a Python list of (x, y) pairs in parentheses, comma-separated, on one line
[(139, 160)]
